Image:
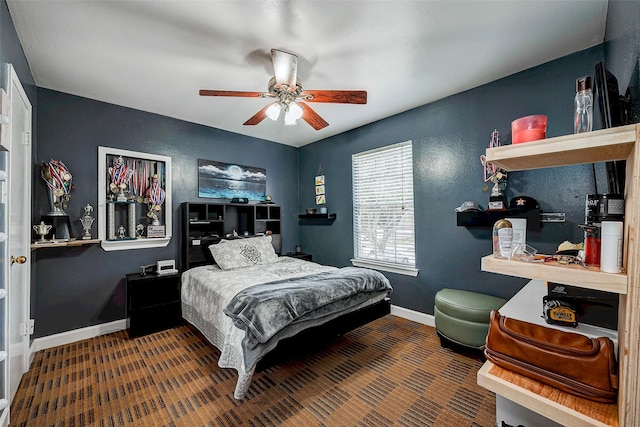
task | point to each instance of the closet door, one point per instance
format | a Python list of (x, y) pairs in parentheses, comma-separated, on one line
[(4, 285), (18, 220)]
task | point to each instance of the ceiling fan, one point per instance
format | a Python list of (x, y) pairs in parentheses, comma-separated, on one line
[(290, 96)]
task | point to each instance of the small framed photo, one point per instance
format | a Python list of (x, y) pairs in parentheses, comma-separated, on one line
[(320, 199), (319, 189), (155, 231), (320, 180)]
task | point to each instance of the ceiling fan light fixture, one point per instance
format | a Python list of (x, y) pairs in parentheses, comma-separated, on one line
[(292, 114), (288, 94), (273, 112)]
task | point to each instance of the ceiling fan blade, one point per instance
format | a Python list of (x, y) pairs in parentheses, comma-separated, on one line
[(311, 117), (336, 96), (206, 92), (258, 117), (285, 68)]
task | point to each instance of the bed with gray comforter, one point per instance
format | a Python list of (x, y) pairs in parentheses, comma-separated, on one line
[(245, 312)]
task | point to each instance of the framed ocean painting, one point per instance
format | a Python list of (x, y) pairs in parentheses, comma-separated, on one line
[(217, 180)]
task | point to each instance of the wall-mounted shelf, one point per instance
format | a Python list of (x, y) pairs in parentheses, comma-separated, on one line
[(329, 216), (572, 274), (62, 243), (545, 400), (485, 219), (589, 147)]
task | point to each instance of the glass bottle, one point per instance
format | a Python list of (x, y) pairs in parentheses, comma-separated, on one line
[(583, 106), (502, 238)]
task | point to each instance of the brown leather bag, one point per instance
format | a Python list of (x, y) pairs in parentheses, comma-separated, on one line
[(570, 362)]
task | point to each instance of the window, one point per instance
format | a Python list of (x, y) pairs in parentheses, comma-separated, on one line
[(383, 226)]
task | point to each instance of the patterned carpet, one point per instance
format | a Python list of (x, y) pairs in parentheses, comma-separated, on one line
[(389, 372)]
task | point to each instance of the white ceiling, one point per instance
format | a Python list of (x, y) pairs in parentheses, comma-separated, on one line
[(156, 55)]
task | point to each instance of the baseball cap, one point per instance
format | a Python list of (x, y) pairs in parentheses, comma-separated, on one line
[(524, 203), (468, 206)]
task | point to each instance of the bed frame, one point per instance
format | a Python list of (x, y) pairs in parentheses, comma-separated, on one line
[(318, 337)]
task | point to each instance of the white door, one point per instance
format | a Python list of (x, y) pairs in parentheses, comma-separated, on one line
[(19, 227)]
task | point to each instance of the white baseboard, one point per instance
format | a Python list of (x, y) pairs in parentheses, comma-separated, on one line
[(68, 337), (4, 417), (416, 316)]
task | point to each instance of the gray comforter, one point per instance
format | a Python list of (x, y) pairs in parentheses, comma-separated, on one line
[(266, 309)]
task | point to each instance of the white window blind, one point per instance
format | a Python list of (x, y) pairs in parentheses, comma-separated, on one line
[(383, 220)]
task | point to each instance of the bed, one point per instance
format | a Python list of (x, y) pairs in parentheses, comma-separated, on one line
[(251, 303)]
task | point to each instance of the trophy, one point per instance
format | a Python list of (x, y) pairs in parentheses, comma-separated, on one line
[(87, 220), (120, 176), (497, 199), (156, 195), (42, 230), (59, 184), (497, 176)]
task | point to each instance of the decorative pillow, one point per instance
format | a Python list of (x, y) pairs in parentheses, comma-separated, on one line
[(230, 254)]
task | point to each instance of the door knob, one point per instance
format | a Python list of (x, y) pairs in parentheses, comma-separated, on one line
[(20, 260)]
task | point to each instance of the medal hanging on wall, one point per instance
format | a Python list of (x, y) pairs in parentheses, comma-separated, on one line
[(140, 180)]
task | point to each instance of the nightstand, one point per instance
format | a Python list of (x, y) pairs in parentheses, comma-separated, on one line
[(303, 256), (153, 302)]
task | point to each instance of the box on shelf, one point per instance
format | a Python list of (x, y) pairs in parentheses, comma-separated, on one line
[(593, 307)]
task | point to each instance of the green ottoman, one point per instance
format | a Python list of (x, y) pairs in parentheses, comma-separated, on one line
[(462, 317)]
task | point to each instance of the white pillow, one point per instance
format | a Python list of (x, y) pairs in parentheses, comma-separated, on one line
[(230, 254)]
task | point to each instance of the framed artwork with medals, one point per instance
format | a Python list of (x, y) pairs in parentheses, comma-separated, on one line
[(134, 199)]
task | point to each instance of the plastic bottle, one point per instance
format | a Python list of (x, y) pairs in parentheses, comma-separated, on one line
[(583, 106), (611, 247)]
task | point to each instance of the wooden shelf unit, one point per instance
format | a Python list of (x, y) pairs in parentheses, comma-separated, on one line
[(592, 147), (561, 407), (576, 275), (61, 244), (621, 143)]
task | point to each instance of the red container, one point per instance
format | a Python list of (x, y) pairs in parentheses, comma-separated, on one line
[(529, 128)]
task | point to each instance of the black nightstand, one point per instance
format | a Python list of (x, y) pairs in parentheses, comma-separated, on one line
[(153, 302), (303, 256)]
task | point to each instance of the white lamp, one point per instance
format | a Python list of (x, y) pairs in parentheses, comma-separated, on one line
[(292, 114), (274, 111)]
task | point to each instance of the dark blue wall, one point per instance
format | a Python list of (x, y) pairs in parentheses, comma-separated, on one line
[(448, 138), (11, 53), (74, 288), (78, 287)]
